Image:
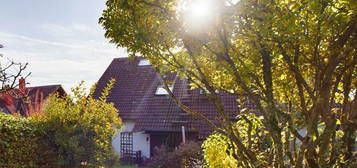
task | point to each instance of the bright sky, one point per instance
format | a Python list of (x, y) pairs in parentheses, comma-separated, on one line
[(60, 39)]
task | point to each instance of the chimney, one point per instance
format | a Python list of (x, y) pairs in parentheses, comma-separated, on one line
[(22, 86)]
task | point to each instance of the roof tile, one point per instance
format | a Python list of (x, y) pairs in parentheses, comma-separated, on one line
[(134, 96)]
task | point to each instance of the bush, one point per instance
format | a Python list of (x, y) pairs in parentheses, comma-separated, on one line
[(17, 142), (219, 150), (187, 155), (217, 153), (70, 132)]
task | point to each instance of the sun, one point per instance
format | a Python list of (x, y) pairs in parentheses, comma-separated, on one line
[(197, 14), (200, 9)]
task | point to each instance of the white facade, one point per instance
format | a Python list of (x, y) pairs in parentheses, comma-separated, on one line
[(141, 141)]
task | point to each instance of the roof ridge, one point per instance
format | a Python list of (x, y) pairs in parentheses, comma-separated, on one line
[(45, 86), (128, 58), (120, 58)]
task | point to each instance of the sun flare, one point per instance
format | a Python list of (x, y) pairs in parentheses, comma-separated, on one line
[(197, 14), (200, 9)]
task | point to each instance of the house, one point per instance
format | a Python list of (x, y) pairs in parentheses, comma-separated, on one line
[(27, 101), (150, 117)]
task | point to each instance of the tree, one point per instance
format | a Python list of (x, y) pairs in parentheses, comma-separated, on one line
[(10, 72), (294, 59)]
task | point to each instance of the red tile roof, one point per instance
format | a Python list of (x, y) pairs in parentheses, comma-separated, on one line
[(20, 103), (134, 96), (46, 90)]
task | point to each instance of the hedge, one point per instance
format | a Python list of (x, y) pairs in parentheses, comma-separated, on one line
[(70, 132)]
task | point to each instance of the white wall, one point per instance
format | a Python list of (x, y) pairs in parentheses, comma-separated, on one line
[(141, 141)]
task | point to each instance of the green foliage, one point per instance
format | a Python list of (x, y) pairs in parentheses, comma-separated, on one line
[(70, 132), (17, 142), (186, 155), (219, 151), (124, 166)]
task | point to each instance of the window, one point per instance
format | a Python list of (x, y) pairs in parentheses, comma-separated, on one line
[(206, 91), (144, 62), (161, 90)]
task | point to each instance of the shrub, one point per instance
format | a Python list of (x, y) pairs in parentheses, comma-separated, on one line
[(70, 132), (81, 127), (219, 151), (17, 142), (187, 155)]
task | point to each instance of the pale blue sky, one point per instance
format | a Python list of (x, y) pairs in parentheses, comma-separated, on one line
[(60, 39)]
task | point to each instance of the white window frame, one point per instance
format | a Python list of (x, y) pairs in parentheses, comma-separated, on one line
[(144, 62), (206, 91), (160, 90)]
